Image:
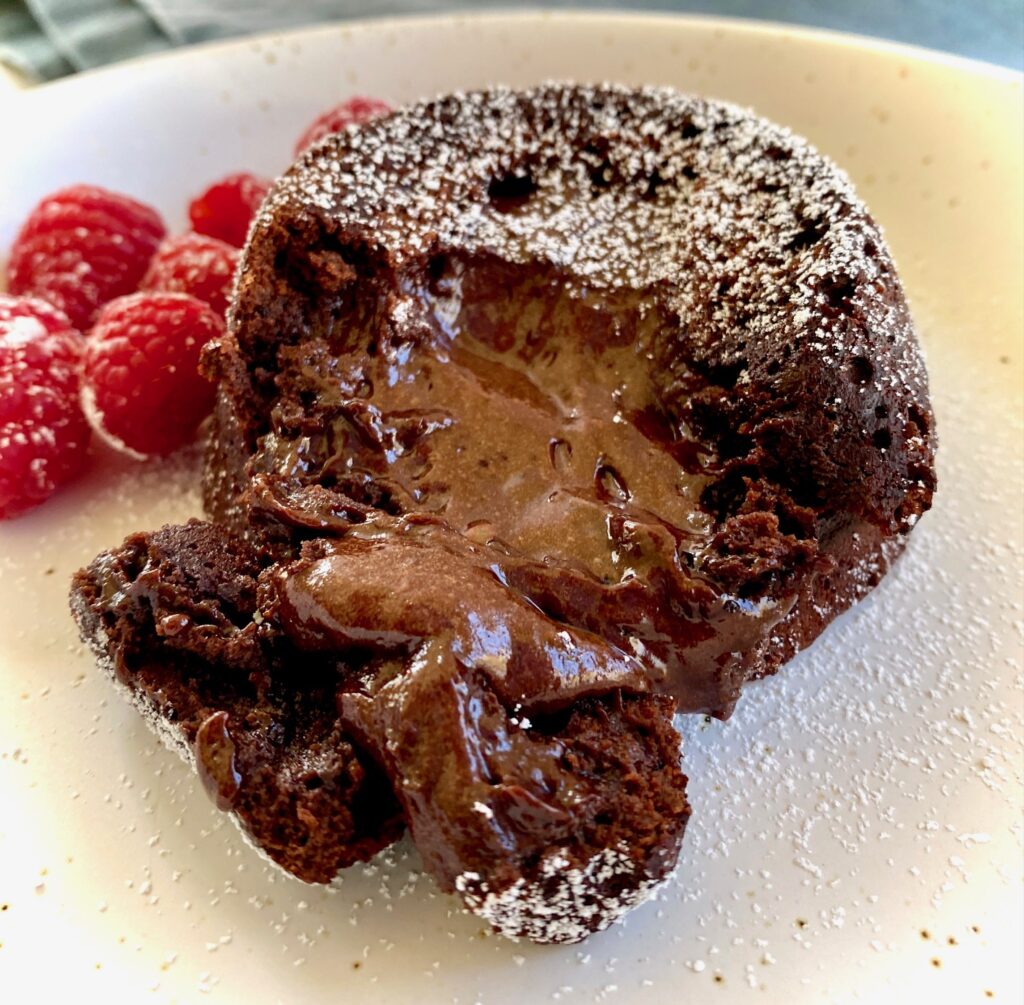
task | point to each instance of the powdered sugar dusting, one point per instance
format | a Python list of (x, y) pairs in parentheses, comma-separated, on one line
[(563, 904), (747, 226), (92, 411), (18, 332), (159, 725)]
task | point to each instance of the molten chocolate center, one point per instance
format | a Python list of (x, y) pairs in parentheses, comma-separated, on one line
[(520, 409), (554, 439), (510, 423)]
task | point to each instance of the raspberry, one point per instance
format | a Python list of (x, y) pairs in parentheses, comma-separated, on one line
[(140, 385), (225, 209), (43, 434), (201, 266), (81, 247), (355, 111)]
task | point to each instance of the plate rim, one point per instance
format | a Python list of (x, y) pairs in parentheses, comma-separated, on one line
[(754, 27)]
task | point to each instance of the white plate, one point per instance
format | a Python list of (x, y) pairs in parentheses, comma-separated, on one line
[(856, 833)]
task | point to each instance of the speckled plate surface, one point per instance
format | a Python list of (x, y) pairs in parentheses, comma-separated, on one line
[(857, 824)]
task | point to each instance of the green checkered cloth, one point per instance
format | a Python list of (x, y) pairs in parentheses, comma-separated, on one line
[(44, 39), (24, 45)]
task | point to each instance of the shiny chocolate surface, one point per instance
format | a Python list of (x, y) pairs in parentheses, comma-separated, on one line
[(519, 446)]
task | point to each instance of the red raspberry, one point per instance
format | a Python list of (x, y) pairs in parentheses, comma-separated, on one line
[(201, 266), (81, 247), (225, 209), (140, 385), (355, 111), (43, 434)]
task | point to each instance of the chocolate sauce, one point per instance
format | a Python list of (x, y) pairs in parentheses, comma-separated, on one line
[(395, 593), (519, 457), (215, 760)]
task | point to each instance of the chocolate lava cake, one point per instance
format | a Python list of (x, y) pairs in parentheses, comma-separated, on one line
[(541, 417)]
